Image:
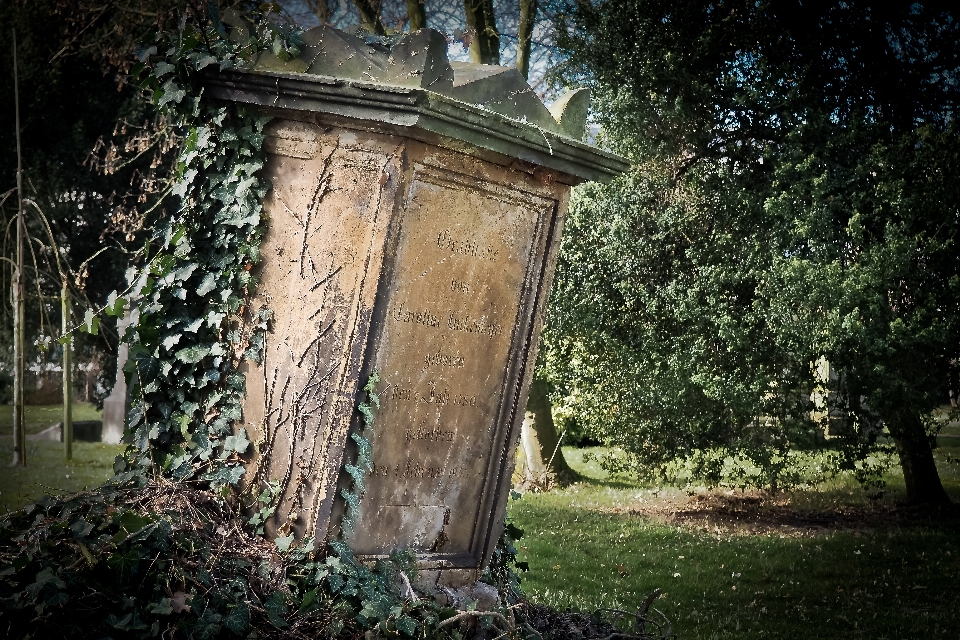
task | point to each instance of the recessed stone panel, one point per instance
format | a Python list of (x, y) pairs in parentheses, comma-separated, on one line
[(453, 333)]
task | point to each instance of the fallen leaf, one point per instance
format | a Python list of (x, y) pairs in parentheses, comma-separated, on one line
[(179, 601)]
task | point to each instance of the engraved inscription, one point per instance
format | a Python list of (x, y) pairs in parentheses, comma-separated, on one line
[(418, 317), (433, 397), (461, 400), (469, 324), (456, 295), (405, 394), (400, 393), (466, 246), (430, 435), (413, 469), (440, 359), (456, 321)]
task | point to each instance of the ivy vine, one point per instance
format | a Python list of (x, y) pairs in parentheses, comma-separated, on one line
[(364, 464), (148, 555), (195, 326)]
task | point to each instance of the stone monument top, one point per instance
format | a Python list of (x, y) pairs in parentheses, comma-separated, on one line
[(408, 81)]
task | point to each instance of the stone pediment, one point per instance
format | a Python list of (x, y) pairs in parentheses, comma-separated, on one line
[(407, 81)]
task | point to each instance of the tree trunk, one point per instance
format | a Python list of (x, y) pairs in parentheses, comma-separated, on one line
[(370, 15), (67, 374), (543, 457), (19, 431), (485, 46), (916, 459), (528, 17), (416, 15), (321, 9)]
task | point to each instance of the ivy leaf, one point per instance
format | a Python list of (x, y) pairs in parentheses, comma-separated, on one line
[(120, 623), (309, 602), (81, 528), (42, 579), (171, 93), (208, 284), (171, 340), (162, 608), (163, 67), (194, 354), (284, 543), (214, 318), (115, 305), (238, 620), (238, 443), (144, 53), (406, 625), (376, 608), (204, 61), (185, 271), (224, 476), (276, 608), (514, 531), (91, 323), (124, 562), (130, 522)]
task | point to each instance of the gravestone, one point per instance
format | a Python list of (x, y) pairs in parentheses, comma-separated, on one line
[(117, 404), (412, 230)]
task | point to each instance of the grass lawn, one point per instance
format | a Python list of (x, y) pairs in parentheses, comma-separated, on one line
[(829, 563), (825, 563), (39, 417), (47, 472)]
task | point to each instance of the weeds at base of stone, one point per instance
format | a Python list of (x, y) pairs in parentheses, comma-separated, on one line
[(158, 558)]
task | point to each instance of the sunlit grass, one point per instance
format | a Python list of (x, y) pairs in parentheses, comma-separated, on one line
[(608, 542), (47, 472)]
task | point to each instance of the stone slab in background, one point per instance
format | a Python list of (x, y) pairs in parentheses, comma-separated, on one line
[(83, 431)]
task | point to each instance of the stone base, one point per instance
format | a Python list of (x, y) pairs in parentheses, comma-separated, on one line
[(486, 597), (458, 588)]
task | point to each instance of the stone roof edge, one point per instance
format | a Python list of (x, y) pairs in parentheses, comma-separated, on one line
[(417, 108)]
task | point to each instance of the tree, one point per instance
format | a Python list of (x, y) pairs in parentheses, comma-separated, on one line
[(92, 157), (481, 18), (369, 11), (792, 200)]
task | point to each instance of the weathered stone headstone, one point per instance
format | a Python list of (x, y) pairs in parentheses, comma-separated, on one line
[(412, 230), (117, 404)]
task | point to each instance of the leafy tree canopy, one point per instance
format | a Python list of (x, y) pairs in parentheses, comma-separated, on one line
[(794, 199)]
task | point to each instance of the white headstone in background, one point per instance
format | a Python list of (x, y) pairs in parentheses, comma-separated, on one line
[(117, 404)]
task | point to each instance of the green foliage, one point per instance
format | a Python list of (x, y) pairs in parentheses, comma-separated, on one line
[(364, 463), (70, 101), (164, 559), (500, 572), (194, 327), (266, 506), (786, 206)]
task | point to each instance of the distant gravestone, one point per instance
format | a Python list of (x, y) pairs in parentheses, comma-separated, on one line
[(412, 230), (83, 431), (117, 404)]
